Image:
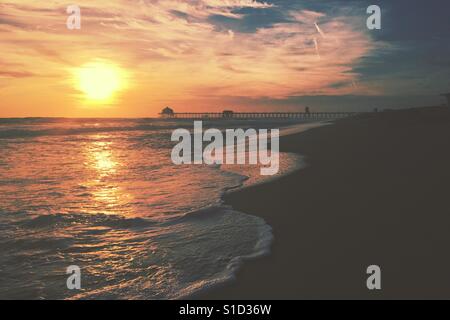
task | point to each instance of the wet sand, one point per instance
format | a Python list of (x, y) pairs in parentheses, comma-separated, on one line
[(376, 191)]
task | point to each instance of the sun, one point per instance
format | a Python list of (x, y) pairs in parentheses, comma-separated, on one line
[(99, 80)]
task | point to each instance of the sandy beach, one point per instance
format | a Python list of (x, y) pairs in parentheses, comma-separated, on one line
[(375, 192)]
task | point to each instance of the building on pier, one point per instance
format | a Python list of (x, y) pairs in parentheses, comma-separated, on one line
[(228, 114), (167, 113)]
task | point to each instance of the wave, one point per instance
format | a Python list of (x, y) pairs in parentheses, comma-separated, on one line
[(131, 257), (290, 163), (261, 248), (50, 221), (36, 127), (24, 133)]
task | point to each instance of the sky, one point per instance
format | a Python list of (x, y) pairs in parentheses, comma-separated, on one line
[(212, 55)]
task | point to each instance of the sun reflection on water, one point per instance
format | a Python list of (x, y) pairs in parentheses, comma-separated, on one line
[(107, 196), (102, 158)]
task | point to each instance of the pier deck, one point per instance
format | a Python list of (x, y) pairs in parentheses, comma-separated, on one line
[(260, 115)]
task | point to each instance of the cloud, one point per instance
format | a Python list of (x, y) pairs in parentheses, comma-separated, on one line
[(237, 4), (173, 47), (15, 74)]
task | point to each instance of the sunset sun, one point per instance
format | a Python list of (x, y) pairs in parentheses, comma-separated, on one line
[(99, 81)]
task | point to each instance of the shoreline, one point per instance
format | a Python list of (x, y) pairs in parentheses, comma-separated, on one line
[(361, 201), (250, 177)]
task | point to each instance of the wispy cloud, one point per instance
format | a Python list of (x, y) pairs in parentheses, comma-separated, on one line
[(15, 74), (173, 48)]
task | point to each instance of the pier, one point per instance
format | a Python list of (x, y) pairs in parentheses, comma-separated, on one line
[(228, 115)]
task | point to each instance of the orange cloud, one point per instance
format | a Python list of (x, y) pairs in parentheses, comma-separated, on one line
[(174, 53)]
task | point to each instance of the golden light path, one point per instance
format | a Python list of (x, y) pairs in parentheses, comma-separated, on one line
[(108, 196)]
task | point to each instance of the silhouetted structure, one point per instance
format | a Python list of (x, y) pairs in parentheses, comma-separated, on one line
[(447, 95), (167, 113), (228, 114), (307, 110)]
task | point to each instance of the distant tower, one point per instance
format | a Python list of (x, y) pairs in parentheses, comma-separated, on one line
[(167, 113), (447, 95), (228, 114)]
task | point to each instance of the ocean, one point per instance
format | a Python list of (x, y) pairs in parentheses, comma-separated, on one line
[(104, 195)]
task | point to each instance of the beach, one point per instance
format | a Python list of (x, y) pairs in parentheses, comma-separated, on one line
[(374, 192)]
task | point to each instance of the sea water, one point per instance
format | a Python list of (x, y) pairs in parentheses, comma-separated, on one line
[(104, 195)]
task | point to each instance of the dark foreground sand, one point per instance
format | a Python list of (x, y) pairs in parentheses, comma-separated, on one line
[(377, 191)]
